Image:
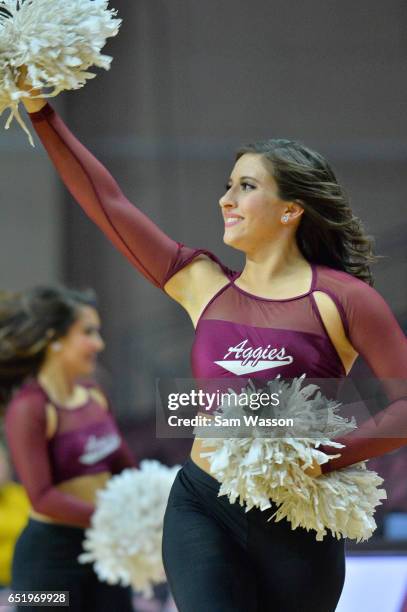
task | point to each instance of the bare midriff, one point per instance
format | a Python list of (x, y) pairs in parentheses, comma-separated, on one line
[(82, 487), (198, 448)]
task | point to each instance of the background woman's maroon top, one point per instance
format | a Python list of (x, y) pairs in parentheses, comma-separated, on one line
[(86, 442), (238, 333)]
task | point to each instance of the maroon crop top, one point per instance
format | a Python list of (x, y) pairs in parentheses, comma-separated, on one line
[(86, 441), (239, 333)]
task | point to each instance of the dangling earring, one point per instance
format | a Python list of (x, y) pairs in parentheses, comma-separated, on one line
[(56, 346), (285, 218)]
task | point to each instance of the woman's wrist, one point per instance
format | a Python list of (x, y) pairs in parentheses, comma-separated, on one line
[(33, 105)]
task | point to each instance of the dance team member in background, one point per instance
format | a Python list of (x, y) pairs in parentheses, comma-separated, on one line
[(63, 439), (305, 300)]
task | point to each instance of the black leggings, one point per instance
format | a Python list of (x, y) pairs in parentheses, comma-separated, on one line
[(45, 559), (219, 558)]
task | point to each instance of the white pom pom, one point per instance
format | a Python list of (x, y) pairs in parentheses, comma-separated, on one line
[(257, 469), (57, 40), (124, 541)]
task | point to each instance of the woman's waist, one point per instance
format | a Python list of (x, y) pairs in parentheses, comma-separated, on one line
[(83, 487), (196, 458)]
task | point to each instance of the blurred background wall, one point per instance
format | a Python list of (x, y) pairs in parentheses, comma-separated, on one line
[(189, 83)]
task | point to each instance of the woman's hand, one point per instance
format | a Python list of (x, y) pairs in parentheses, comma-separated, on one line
[(31, 105), (314, 470)]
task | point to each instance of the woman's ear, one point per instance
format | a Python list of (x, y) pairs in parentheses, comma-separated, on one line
[(295, 209)]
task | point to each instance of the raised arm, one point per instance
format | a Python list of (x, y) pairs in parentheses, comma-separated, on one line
[(375, 333), (26, 436), (150, 250)]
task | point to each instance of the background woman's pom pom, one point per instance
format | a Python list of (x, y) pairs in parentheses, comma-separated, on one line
[(124, 541)]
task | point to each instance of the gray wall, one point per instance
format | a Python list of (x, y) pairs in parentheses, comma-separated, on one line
[(190, 81), (30, 215)]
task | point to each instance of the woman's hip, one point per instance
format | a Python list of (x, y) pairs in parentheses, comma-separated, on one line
[(195, 493), (46, 545)]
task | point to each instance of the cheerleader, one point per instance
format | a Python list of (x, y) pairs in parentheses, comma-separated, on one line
[(305, 300), (63, 439)]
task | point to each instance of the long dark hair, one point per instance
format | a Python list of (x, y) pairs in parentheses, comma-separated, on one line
[(29, 321), (328, 233)]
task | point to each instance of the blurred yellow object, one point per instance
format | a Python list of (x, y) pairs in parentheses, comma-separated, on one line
[(14, 508)]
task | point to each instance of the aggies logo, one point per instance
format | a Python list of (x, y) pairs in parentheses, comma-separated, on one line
[(247, 359), (97, 449)]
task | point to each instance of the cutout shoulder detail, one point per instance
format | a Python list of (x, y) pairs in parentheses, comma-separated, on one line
[(52, 420), (329, 316), (99, 397)]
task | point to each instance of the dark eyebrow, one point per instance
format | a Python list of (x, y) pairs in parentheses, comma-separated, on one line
[(251, 178)]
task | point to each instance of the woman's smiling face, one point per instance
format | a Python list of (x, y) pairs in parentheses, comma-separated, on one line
[(78, 349), (251, 207)]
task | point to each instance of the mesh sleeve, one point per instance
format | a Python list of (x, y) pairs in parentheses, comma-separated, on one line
[(376, 335), (156, 256), (25, 426)]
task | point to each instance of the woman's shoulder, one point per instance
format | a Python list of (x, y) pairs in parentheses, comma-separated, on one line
[(229, 272), (342, 283), (26, 410), (30, 393), (188, 255), (358, 302)]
